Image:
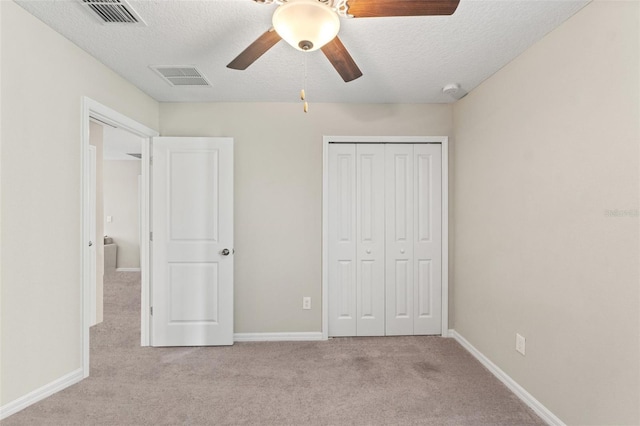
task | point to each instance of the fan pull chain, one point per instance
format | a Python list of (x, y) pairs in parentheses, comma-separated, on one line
[(303, 94)]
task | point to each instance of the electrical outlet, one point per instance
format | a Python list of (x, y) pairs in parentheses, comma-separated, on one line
[(306, 303), (520, 343)]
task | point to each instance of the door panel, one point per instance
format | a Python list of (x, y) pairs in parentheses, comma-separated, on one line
[(428, 239), (424, 279), (370, 239), (399, 212), (402, 286), (192, 223), (189, 285), (192, 216), (342, 240), (366, 287), (344, 291)]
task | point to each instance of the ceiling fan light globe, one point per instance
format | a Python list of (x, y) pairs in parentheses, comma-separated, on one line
[(304, 23)]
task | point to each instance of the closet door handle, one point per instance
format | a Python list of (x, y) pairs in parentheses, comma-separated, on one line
[(368, 251)]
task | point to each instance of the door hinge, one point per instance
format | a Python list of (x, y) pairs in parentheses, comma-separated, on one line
[(151, 160), (151, 310), (150, 236)]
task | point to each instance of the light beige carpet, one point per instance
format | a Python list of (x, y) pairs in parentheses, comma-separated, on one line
[(355, 381)]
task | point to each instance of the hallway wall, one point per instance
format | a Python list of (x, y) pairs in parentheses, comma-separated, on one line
[(40, 189)]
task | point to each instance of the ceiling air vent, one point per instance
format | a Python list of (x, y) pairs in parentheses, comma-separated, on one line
[(113, 12), (182, 75)]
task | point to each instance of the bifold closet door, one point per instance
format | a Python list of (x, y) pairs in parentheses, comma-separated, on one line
[(427, 231), (413, 214), (399, 238), (356, 238), (385, 242), (370, 250)]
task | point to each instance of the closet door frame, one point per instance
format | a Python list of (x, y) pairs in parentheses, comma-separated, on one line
[(444, 142)]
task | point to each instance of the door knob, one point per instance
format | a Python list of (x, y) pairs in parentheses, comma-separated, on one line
[(402, 251), (368, 251), (225, 252)]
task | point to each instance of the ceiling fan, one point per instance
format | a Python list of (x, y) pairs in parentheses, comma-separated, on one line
[(308, 25)]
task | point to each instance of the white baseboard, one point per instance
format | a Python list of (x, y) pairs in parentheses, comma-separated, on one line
[(128, 269), (520, 392), (41, 393), (277, 337)]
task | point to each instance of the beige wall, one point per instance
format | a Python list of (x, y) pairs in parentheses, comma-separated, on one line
[(96, 138), (121, 203), (44, 78), (278, 193), (544, 149)]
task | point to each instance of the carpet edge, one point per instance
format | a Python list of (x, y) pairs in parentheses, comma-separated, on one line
[(542, 411), (41, 393), (278, 337)]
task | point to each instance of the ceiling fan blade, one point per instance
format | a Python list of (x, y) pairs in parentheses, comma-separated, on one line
[(256, 49), (382, 8), (341, 60)]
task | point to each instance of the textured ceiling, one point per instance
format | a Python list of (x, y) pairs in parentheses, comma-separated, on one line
[(404, 60), (118, 144)]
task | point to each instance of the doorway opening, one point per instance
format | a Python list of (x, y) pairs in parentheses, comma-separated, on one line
[(116, 186), (130, 134)]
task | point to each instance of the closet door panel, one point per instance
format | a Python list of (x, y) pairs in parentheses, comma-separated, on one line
[(370, 239), (385, 237), (342, 240), (428, 239), (399, 219)]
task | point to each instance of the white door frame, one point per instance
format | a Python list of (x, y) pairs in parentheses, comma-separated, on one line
[(91, 108), (92, 212), (444, 141)]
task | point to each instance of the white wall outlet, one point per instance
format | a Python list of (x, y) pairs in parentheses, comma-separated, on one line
[(520, 343), (306, 303), (109, 219)]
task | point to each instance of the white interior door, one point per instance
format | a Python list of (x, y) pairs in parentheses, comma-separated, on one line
[(427, 300), (399, 211), (192, 244)]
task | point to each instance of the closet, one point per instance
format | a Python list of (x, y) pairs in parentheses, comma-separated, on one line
[(384, 239)]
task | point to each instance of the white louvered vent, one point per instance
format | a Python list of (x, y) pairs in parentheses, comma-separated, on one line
[(181, 75), (113, 12)]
